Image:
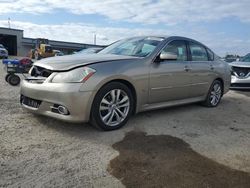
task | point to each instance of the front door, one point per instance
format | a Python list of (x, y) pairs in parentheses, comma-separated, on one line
[(171, 79), (202, 70)]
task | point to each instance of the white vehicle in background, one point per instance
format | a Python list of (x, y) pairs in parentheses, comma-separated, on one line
[(241, 73), (3, 52)]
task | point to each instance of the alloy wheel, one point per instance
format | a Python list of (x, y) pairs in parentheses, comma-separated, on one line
[(114, 107), (215, 95)]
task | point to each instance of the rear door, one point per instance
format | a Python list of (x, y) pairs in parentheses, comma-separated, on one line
[(171, 79), (202, 69)]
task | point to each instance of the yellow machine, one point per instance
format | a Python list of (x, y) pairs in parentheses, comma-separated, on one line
[(42, 49)]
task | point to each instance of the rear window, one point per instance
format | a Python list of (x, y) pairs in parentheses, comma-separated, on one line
[(198, 52)]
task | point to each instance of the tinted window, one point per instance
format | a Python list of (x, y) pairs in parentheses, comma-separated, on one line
[(210, 55), (179, 48), (198, 52)]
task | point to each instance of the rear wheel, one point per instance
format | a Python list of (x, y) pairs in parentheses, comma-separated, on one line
[(13, 80), (112, 106), (214, 95)]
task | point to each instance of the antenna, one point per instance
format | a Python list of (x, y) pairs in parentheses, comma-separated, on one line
[(9, 22)]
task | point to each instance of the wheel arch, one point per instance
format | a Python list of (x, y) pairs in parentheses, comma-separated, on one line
[(222, 82), (125, 82)]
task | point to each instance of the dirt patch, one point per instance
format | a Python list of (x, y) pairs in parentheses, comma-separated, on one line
[(166, 161)]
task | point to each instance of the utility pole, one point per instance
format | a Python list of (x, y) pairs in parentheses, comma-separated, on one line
[(94, 38), (9, 22)]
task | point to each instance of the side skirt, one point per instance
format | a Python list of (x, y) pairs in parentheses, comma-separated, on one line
[(154, 106)]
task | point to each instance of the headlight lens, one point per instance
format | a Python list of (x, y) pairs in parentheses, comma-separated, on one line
[(74, 76)]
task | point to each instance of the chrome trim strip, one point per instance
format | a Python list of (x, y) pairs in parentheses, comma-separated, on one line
[(170, 87), (242, 77), (29, 107)]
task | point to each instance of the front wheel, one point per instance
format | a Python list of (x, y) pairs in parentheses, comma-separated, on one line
[(214, 95), (112, 106)]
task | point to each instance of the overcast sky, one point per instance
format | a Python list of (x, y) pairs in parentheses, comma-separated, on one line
[(223, 25)]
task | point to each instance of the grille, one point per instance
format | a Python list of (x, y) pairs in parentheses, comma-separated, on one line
[(243, 85), (241, 71), (30, 102)]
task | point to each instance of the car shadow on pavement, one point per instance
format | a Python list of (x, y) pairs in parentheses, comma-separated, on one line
[(138, 122), (61, 125)]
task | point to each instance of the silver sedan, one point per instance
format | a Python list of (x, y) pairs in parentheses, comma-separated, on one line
[(127, 77)]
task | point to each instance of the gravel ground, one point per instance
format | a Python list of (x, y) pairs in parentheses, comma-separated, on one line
[(38, 151)]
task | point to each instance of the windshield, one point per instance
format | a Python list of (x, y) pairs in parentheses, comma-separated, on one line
[(246, 58), (1, 46), (89, 51), (139, 47)]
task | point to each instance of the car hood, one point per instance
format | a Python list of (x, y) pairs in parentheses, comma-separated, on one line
[(240, 64), (63, 63)]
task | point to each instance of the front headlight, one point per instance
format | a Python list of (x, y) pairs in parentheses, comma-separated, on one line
[(77, 75)]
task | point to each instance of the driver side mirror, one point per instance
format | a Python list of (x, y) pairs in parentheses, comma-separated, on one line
[(168, 56)]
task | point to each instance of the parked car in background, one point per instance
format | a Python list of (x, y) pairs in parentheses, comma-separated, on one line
[(3, 52), (127, 77), (90, 50), (231, 58), (241, 73)]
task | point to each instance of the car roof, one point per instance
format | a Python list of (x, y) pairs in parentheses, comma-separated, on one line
[(165, 37), (169, 37)]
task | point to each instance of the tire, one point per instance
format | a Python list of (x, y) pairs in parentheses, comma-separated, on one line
[(13, 80), (7, 76), (110, 113), (214, 94)]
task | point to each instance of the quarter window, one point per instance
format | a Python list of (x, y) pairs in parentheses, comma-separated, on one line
[(179, 48), (198, 52), (210, 55)]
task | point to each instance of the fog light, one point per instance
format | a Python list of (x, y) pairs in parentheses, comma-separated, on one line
[(63, 110)]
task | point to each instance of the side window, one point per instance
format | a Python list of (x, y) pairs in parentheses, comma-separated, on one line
[(198, 52), (210, 55), (179, 48)]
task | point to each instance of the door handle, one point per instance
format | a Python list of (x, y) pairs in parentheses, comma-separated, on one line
[(211, 67), (187, 68)]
